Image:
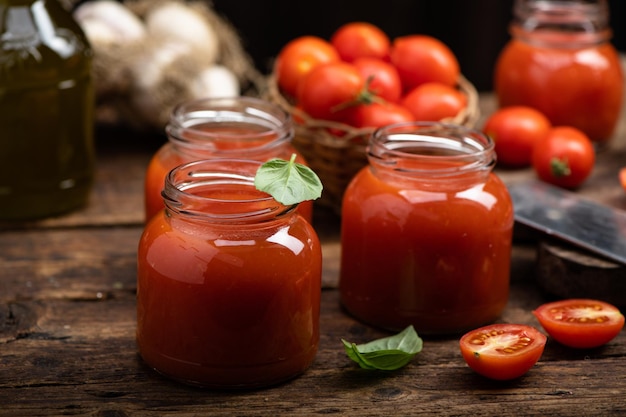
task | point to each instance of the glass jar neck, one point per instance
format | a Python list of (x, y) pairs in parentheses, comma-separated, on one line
[(236, 127), (433, 152), (566, 23), (220, 192)]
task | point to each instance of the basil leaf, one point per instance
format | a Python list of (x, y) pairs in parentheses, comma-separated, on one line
[(389, 353), (288, 181)]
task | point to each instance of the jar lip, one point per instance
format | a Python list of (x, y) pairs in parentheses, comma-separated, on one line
[(186, 188), (186, 119), (589, 17), (426, 145)]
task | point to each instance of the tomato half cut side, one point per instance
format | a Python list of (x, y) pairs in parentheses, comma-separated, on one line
[(502, 351), (580, 323)]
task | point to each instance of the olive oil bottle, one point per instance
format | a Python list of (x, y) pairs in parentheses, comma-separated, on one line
[(46, 111)]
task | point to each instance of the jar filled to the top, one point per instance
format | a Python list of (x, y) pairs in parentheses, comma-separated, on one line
[(560, 61)]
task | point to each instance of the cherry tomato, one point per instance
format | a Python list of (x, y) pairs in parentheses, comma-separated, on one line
[(580, 323), (383, 77), (502, 351), (360, 39), (379, 114), (421, 59), (327, 92), (565, 157), (434, 101), (298, 57), (515, 131)]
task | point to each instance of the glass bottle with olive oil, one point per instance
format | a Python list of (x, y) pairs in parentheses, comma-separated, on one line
[(46, 111)]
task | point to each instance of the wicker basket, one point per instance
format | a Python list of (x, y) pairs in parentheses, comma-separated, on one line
[(336, 151)]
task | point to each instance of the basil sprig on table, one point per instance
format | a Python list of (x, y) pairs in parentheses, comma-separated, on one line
[(389, 353), (288, 181)]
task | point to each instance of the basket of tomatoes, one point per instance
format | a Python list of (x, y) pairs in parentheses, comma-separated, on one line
[(340, 90)]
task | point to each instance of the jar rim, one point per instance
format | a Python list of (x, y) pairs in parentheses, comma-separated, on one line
[(184, 126), (425, 145), (187, 186), (582, 17)]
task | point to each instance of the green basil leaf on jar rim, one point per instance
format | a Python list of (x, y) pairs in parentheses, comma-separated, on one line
[(288, 181)]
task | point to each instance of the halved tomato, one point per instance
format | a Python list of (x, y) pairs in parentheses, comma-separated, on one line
[(502, 351), (580, 323)]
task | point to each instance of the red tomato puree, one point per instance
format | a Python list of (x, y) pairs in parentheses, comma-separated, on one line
[(580, 86), (435, 255), (228, 306)]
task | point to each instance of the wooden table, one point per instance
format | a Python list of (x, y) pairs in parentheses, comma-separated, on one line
[(67, 325)]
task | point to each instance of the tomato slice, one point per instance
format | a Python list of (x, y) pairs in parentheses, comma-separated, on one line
[(502, 351), (580, 323)]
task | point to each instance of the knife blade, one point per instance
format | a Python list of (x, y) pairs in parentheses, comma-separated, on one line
[(565, 215)]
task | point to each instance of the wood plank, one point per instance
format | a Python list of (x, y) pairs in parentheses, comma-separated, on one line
[(73, 351), (81, 359)]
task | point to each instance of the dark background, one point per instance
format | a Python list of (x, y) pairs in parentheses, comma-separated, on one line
[(476, 30)]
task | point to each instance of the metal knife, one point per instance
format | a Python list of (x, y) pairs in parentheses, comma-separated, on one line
[(596, 227)]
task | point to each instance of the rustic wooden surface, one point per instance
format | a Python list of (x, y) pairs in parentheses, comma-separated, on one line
[(67, 325)]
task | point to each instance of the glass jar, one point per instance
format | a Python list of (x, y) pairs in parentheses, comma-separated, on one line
[(561, 62), (216, 128), (46, 111), (228, 292), (426, 231)]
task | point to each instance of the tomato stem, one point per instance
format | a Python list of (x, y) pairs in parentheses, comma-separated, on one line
[(365, 96), (560, 167)]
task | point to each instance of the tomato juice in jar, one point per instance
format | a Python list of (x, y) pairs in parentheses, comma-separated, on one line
[(217, 128), (228, 292), (561, 62), (426, 231)]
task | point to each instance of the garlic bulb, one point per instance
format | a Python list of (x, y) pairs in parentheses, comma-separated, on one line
[(216, 81), (107, 21), (175, 22)]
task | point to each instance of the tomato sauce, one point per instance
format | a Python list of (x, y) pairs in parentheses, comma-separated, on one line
[(573, 76), (425, 250), (240, 127), (232, 303)]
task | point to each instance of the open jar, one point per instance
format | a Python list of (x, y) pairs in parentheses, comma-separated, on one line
[(426, 231), (221, 128), (228, 291), (561, 62)]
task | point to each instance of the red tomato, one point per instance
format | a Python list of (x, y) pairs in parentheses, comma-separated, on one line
[(383, 77), (298, 57), (421, 59), (379, 114), (434, 101), (328, 90), (515, 131), (502, 351), (580, 323), (360, 39), (565, 157)]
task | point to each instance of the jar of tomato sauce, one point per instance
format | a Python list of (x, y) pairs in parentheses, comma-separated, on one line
[(228, 292), (426, 231), (561, 62), (217, 128)]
